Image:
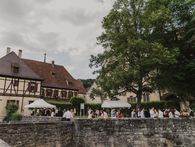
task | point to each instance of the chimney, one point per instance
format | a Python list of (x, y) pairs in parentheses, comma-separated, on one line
[(20, 53), (53, 63), (8, 50), (45, 55)]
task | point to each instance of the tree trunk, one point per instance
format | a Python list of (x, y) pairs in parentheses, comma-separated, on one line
[(139, 98), (139, 94)]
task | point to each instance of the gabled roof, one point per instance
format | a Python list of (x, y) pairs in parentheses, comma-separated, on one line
[(55, 76), (11, 59), (80, 86)]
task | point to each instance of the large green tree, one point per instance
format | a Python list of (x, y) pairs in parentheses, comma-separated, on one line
[(178, 31), (131, 58)]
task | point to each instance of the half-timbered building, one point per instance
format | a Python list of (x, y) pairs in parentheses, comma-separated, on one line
[(23, 80), (18, 83), (58, 84)]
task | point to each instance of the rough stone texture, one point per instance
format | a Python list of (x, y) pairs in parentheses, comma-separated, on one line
[(102, 133), (38, 134), (135, 133)]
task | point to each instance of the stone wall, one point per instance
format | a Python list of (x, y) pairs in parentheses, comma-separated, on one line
[(135, 133), (102, 133), (38, 134)]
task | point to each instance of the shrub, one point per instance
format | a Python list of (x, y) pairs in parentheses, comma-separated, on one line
[(12, 114), (62, 105), (11, 108), (76, 101), (16, 116), (93, 106)]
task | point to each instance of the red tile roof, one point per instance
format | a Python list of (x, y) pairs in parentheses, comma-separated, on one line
[(60, 78), (81, 87)]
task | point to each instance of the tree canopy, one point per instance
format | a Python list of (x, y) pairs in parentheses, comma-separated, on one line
[(140, 39)]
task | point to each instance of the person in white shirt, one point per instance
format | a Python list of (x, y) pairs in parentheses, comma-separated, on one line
[(68, 115), (142, 115), (152, 113), (133, 114), (160, 114), (176, 113), (171, 114), (105, 114)]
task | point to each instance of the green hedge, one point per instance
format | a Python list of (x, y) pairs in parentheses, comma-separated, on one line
[(158, 105), (93, 106), (60, 104)]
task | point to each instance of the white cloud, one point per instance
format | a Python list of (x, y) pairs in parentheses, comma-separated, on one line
[(66, 30)]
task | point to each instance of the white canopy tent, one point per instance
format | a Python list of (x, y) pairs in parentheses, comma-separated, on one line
[(115, 104), (40, 103)]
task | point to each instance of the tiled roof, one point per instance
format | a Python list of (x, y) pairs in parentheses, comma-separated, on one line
[(54, 75), (79, 84), (6, 67)]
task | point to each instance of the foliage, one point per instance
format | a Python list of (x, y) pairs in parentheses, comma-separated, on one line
[(16, 116), (11, 108), (93, 106), (87, 82), (61, 104), (12, 114), (76, 101), (98, 92), (179, 78), (134, 45)]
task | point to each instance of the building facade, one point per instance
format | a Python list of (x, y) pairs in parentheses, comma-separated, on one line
[(127, 97), (22, 81)]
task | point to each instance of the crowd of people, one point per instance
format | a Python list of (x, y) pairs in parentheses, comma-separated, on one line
[(66, 114), (140, 113), (104, 114), (158, 113)]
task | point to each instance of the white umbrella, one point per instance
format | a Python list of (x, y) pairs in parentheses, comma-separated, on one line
[(40, 103), (115, 104)]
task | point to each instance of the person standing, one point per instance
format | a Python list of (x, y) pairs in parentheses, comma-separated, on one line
[(176, 113), (133, 114), (68, 115), (142, 115)]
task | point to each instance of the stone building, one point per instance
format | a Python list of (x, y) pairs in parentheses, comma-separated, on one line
[(127, 97), (23, 80)]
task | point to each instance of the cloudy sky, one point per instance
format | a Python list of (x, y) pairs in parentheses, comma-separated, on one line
[(65, 29)]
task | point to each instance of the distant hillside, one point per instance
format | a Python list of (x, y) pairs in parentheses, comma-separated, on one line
[(87, 82)]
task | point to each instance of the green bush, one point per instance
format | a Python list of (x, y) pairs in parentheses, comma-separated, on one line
[(62, 105), (12, 114), (16, 116), (76, 101), (11, 108), (93, 106)]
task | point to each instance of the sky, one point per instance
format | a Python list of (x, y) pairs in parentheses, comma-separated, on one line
[(65, 29)]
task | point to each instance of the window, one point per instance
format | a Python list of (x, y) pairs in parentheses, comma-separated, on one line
[(70, 94), (63, 93), (29, 102), (131, 99), (13, 102), (146, 97), (42, 92), (53, 74), (15, 68), (55, 93), (75, 93), (49, 92), (32, 87), (16, 82)]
